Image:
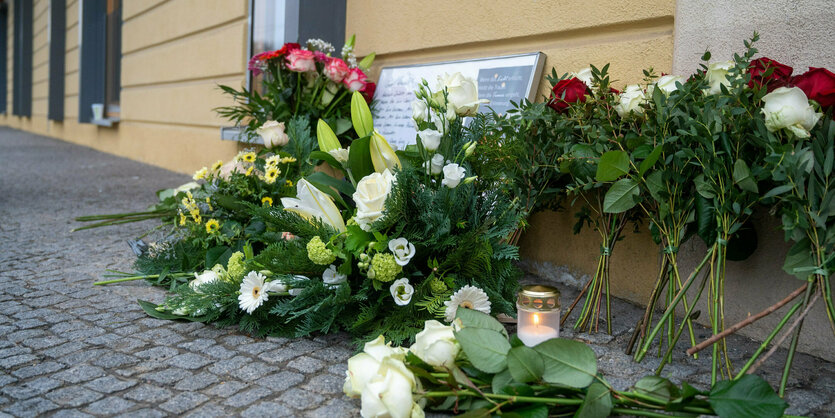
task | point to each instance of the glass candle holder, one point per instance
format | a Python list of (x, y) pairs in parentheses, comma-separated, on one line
[(538, 314)]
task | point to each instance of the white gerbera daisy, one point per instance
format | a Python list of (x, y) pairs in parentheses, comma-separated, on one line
[(469, 297), (253, 292)]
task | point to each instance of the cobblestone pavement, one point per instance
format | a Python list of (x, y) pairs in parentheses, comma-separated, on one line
[(68, 348)]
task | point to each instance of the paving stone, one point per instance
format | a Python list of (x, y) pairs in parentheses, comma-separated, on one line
[(64, 349), (114, 360), (73, 396), (184, 402), (210, 410), (189, 361), (38, 369), (110, 384), (306, 364), (339, 407), (143, 413), (219, 352), (197, 382), (167, 376), (157, 353), (80, 373), (267, 409), (12, 361), (300, 399), (70, 413), (281, 381), (252, 371), (148, 394), (31, 407), (43, 342), (109, 406), (326, 384), (226, 389), (247, 397), (14, 350), (31, 388)]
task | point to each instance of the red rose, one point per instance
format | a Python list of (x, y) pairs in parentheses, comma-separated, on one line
[(567, 91), (289, 46), (818, 84), (779, 77), (368, 91)]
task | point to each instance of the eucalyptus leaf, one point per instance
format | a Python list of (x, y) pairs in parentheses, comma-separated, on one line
[(569, 363), (486, 349), (748, 397)]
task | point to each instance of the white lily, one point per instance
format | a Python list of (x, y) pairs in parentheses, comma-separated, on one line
[(311, 202)]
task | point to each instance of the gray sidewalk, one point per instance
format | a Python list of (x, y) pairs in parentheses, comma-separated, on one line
[(68, 348)]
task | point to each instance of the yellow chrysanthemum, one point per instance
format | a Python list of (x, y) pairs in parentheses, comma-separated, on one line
[(267, 201), (200, 174), (248, 157), (216, 166), (197, 218), (288, 183), (271, 175), (273, 161), (212, 226), (286, 160), (250, 170), (182, 219)]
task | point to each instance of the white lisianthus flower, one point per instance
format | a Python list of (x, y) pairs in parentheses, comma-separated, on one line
[(462, 93), (333, 278), (667, 84), (363, 366), (401, 291), (389, 393), (453, 174), (311, 202), (436, 344), (469, 297), (629, 102), (403, 250), (420, 112), (789, 108), (340, 154), (430, 138), (435, 165), (370, 197), (208, 276), (585, 76), (253, 294), (717, 76), (273, 134)]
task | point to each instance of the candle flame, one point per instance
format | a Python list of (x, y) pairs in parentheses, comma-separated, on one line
[(535, 319)]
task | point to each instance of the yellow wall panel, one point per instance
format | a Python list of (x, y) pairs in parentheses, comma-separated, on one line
[(186, 58), (72, 13), (178, 18), (40, 89), (71, 61), (131, 8), (72, 39), (39, 107), (71, 107), (187, 103), (71, 84)]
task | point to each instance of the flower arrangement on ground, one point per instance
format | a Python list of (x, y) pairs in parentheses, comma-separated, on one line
[(474, 367), (406, 236)]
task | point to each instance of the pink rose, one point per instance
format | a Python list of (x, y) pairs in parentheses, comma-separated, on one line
[(354, 80), (320, 56), (336, 69), (300, 61)]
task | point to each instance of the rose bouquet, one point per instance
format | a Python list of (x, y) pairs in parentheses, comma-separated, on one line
[(475, 368), (405, 237), (297, 80)]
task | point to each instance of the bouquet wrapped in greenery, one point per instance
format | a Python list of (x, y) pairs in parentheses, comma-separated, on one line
[(406, 236)]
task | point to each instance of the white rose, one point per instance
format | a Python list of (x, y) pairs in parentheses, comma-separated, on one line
[(585, 76), (389, 393), (419, 111), (462, 93), (430, 138), (363, 366), (207, 276), (630, 101), (340, 154), (401, 291), (789, 108), (272, 133), (333, 278), (667, 84), (370, 197), (436, 344), (435, 165), (453, 174), (402, 249), (717, 76)]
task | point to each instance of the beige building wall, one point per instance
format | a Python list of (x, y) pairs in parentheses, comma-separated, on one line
[(175, 52)]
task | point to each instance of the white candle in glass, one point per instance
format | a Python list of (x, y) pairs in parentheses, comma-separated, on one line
[(538, 314)]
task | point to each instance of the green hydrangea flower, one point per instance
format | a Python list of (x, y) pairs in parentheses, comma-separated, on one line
[(235, 269), (437, 285), (319, 253), (385, 267)]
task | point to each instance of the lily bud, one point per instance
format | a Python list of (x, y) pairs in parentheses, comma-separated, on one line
[(469, 180), (361, 115), (366, 62), (382, 155), (326, 137)]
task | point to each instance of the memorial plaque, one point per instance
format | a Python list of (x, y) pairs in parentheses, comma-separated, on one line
[(500, 80)]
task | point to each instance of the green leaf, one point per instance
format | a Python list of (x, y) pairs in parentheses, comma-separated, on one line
[(568, 363), (319, 178), (150, 309), (651, 159), (500, 380), (324, 156), (703, 188), (597, 403), (475, 319), (486, 349), (361, 115), (356, 238), (750, 396), (743, 178), (656, 387), (530, 411), (705, 220), (655, 185), (218, 255), (778, 191), (613, 165), (525, 364), (622, 196), (799, 260), (359, 158)]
